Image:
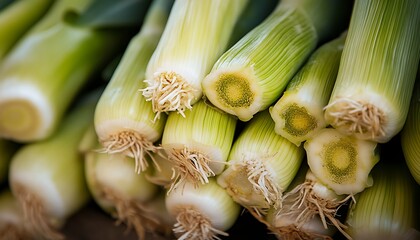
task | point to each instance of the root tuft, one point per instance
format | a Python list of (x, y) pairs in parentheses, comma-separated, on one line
[(191, 224), (134, 145), (169, 91), (359, 117)]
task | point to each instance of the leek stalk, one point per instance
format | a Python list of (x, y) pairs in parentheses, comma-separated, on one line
[(44, 72), (372, 92), (197, 33), (198, 144), (299, 113), (47, 177), (202, 212), (261, 165), (410, 135), (124, 120), (252, 74), (16, 19)]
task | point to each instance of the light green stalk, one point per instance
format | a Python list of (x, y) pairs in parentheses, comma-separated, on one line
[(124, 120), (410, 135), (371, 96), (253, 73), (42, 75), (299, 113), (197, 33), (17, 18), (261, 165), (47, 177), (198, 144)]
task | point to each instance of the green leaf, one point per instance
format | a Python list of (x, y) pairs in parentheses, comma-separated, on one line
[(112, 14)]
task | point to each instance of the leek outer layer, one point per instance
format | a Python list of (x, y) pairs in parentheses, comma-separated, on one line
[(43, 74), (197, 33), (253, 73), (124, 120), (47, 177), (299, 113), (16, 19), (340, 162), (371, 96), (198, 144), (202, 212), (410, 135), (388, 209), (261, 165)]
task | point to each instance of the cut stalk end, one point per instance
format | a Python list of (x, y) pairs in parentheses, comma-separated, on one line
[(191, 224), (132, 144), (169, 91), (362, 119), (35, 215), (189, 166)]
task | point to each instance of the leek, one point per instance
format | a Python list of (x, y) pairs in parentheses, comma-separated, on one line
[(202, 212), (198, 144), (252, 74), (377, 71), (410, 135), (124, 120), (47, 177), (162, 176), (261, 165), (44, 72), (11, 218), (16, 19), (388, 209), (299, 113), (197, 33)]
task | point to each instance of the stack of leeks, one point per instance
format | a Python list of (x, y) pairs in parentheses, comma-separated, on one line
[(211, 108)]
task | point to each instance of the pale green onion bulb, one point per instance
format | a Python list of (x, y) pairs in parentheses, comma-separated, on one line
[(201, 212), (198, 144), (261, 165), (124, 120), (197, 33)]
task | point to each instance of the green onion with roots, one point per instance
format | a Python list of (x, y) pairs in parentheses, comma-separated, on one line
[(36, 91), (261, 165), (16, 19), (197, 33), (377, 71), (202, 212), (339, 168), (124, 120), (299, 113), (198, 144), (253, 73), (47, 177)]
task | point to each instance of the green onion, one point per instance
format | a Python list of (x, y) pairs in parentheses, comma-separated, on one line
[(261, 165), (410, 135), (198, 144), (201, 212), (47, 177), (252, 74), (162, 176), (197, 33), (377, 71), (124, 120), (17, 18), (299, 113), (11, 218), (44, 72), (387, 210)]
